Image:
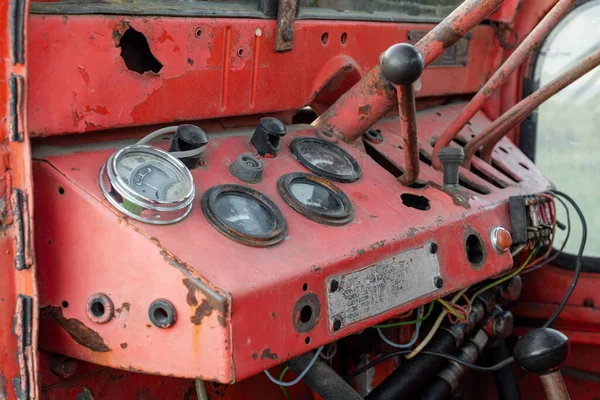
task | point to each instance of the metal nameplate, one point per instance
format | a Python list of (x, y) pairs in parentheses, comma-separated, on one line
[(382, 286)]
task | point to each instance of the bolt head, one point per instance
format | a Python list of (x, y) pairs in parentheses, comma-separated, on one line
[(433, 248), (337, 324), (288, 34), (438, 282), (333, 286)]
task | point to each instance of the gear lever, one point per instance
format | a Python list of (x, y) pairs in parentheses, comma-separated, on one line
[(402, 65), (543, 351)]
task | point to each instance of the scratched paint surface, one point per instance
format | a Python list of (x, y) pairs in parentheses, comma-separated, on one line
[(211, 68), (263, 284)]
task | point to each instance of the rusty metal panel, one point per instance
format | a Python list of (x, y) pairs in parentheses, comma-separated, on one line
[(382, 286), (455, 56)]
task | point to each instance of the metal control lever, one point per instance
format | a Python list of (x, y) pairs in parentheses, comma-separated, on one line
[(402, 65), (543, 351)]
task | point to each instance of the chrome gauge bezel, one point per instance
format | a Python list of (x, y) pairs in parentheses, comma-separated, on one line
[(119, 193)]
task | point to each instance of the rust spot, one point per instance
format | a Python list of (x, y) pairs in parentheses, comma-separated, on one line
[(176, 48), (364, 110), (123, 345), (78, 331), (274, 315), (84, 74), (190, 61), (459, 197), (191, 296), (266, 353), (360, 252), (164, 37), (203, 310), (379, 244), (411, 232), (124, 307), (254, 356)]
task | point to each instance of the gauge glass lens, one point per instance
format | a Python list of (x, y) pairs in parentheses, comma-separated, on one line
[(244, 214), (152, 177), (315, 197), (325, 158)]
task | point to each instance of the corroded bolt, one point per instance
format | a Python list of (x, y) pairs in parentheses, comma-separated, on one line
[(433, 248), (62, 366), (334, 285), (288, 34), (438, 282), (337, 324)]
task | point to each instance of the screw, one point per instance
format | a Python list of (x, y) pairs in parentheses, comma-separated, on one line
[(438, 282), (337, 324), (334, 286), (288, 34), (433, 248)]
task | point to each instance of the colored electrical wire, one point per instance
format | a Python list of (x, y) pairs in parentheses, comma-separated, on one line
[(299, 378), (411, 342), (414, 321), (562, 247), (285, 392), (578, 259), (449, 357), (435, 327), (506, 277)]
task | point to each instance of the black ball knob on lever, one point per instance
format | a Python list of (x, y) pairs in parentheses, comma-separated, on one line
[(543, 351), (402, 64)]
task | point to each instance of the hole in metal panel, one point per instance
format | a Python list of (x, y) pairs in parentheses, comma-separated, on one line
[(136, 53), (474, 250), (97, 309), (382, 160), (305, 314), (161, 315), (343, 38), (324, 38), (414, 201)]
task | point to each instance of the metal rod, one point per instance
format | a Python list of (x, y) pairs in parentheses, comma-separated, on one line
[(554, 386), (510, 119), (532, 41), (201, 390), (373, 96), (408, 128)]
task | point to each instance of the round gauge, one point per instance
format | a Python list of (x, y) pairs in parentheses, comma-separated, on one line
[(316, 198), (244, 215), (148, 184), (325, 159)]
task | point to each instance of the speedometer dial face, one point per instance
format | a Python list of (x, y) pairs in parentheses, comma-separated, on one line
[(325, 159), (152, 177), (316, 198), (148, 184), (244, 215)]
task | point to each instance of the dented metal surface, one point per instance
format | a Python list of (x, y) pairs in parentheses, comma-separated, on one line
[(228, 65)]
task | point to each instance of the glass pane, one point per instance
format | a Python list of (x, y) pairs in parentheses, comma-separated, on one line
[(421, 8), (567, 138)]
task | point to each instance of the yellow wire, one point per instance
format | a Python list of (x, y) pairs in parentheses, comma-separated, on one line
[(458, 295), (450, 309), (506, 277), (435, 327)]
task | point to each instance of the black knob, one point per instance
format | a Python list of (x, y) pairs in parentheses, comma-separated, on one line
[(451, 158), (541, 351), (247, 168), (266, 136), (402, 64), (186, 138)]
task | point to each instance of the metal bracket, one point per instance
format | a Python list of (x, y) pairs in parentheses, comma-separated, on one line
[(286, 15)]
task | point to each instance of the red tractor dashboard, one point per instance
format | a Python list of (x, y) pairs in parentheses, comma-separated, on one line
[(246, 281)]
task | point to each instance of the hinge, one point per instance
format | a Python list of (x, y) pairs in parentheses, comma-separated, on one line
[(15, 85), (286, 15), (22, 328), (21, 226), (16, 24)]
